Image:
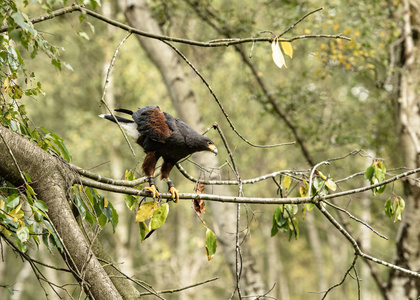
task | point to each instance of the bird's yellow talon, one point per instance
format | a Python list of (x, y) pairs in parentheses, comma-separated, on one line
[(153, 190), (174, 194)]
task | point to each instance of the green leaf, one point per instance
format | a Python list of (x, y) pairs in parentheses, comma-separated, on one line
[(159, 217), (23, 234), (115, 218), (41, 205), (131, 201), (143, 230), (211, 244), (369, 172), (379, 174), (20, 18), (83, 34), (400, 208), (52, 238), (95, 3), (23, 246), (309, 206), (82, 17), (129, 175), (56, 63), (63, 150), (295, 228), (388, 208), (274, 228), (102, 219), (12, 201)]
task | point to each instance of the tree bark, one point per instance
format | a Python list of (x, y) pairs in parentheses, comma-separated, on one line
[(168, 63), (51, 178), (407, 101)]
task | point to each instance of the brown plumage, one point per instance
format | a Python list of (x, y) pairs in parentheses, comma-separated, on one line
[(161, 135)]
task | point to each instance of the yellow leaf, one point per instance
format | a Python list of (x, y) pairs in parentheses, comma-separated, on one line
[(105, 202), (287, 182), (277, 54), (303, 189), (146, 211), (331, 185), (287, 48), (6, 83), (17, 213), (321, 175)]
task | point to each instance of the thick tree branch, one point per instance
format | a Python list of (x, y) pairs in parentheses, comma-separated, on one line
[(50, 181)]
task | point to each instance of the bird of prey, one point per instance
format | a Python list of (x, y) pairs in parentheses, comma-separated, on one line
[(161, 135)]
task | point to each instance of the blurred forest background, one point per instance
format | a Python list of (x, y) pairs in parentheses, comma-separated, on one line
[(337, 95)]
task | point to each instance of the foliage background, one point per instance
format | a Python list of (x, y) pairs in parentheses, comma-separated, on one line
[(336, 92)]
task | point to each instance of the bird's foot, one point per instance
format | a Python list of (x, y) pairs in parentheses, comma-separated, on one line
[(153, 190), (173, 191)]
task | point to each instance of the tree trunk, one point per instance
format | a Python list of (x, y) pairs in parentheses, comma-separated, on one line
[(168, 63), (50, 181), (407, 101)]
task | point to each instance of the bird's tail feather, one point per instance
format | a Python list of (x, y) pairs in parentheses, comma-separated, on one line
[(125, 111), (128, 125), (120, 119)]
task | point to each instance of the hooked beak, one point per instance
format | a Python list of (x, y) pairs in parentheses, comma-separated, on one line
[(213, 148)]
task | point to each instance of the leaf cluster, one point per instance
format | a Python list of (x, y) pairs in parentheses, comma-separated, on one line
[(94, 207), (23, 217)]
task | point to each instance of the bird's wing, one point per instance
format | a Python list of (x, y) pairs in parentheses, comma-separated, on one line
[(152, 122)]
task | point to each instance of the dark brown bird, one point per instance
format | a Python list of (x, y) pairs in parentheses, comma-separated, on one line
[(161, 135)]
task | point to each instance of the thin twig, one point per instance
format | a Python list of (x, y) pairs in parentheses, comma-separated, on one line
[(112, 181), (300, 20), (236, 182), (238, 264), (181, 289), (356, 219), (111, 65), (220, 104), (342, 280), (356, 247)]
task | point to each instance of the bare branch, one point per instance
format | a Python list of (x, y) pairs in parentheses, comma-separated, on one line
[(181, 289), (251, 200), (352, 267), (356, 219), (300, 20), (111, 65), (236, 182), (220, 104), (112, 181), (356, 247)]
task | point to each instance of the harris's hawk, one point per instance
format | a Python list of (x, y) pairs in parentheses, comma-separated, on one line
[(161, 135)]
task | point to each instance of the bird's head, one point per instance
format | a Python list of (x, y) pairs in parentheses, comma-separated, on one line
[(211, 147)]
